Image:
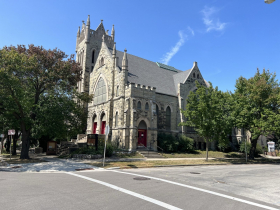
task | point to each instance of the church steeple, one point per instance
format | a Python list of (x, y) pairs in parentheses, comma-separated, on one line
[(113, 33), (79, 32), (88, 30), (88, 21), (124, 61)]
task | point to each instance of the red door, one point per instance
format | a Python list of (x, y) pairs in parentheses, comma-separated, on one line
[(94, 127), (142, 137), (103, 125)]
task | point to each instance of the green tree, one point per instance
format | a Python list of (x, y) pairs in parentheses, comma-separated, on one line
[(208, 111), (256, 106), (29, 78)]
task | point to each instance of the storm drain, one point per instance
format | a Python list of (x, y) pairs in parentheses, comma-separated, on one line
[(194, 173), (141, 178), (83, 169)]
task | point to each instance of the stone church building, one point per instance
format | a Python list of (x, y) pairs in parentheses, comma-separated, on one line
[(137, 98)]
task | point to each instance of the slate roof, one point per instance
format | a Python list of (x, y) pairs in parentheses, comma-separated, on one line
[(145, 72)]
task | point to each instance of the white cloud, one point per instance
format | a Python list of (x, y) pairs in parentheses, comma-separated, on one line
[(190, 29), (167, 57), (210, 22)]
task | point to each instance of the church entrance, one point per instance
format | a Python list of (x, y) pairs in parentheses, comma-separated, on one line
[(103, 123), (142, 134)]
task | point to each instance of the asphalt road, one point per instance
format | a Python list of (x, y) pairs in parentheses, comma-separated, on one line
[(249, 187)]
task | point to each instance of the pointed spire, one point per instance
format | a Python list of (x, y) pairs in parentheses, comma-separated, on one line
[(113, 33), (88, 21), (124, 61), (88, 30), (114, 49), (79, 32), (83, 25), (107, 32)]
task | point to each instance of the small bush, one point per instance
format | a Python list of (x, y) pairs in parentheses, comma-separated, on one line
[(224, 146), (109, 150), (170, 143), (185, 144), (242, 147), (258, 149)]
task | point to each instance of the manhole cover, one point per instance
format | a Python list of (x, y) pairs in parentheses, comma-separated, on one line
[(83, 169), (221, 182), (16, 167), (141, 178), (194, 173)]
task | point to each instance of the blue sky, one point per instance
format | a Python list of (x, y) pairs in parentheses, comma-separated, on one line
[(228, 39)]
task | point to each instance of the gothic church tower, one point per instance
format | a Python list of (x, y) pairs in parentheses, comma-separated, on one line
[(88, 46)]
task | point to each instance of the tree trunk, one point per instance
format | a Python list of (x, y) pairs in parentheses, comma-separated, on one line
[(25, 144), (207, 149), (15, 138), (8, 142), (253, 148), (2, 144)]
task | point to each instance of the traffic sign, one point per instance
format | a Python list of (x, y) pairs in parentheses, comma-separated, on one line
[(107, 130), (11, 132)]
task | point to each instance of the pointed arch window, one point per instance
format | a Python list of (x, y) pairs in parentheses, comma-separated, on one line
[(197, 76), (168, 118), (100, 94), (92, 58), (139, 105), (157, 111), (147, 106), (193, 75), (116, 119), (102, 61)]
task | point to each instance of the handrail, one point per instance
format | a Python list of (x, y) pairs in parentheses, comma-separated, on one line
[(146, 148), (161, 150)]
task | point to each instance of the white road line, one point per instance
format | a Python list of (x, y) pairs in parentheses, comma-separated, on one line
[(200, 189), (154, 201)]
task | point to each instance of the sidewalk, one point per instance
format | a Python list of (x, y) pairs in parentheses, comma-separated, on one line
[(55, 164)]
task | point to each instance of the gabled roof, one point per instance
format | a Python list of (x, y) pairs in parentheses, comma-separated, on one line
[(145, 72), (180, 78)]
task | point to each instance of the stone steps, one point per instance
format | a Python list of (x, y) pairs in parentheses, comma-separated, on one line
[(150, 154)]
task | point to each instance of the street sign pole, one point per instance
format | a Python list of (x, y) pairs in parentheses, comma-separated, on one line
[(246, 149), (11, 133), (107, 129)]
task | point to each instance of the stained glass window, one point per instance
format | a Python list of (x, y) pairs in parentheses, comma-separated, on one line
[(100, 92)]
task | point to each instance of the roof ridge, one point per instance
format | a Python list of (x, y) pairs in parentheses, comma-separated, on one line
[(148, 60)]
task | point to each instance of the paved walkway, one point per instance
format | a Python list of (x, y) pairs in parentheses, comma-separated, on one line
[(55, 164)]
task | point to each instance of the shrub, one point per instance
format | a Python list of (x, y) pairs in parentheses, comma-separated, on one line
[(185, 144), (109, 150), (258, 150), (242, 147), (224, 146), (170, 143)]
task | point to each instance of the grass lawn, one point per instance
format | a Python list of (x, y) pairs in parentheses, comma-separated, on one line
[(202, 154), (147, 164), (15, 159)]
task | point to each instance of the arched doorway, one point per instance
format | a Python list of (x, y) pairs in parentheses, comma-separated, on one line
[(94, 124), (142, 134), (103, 123)]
